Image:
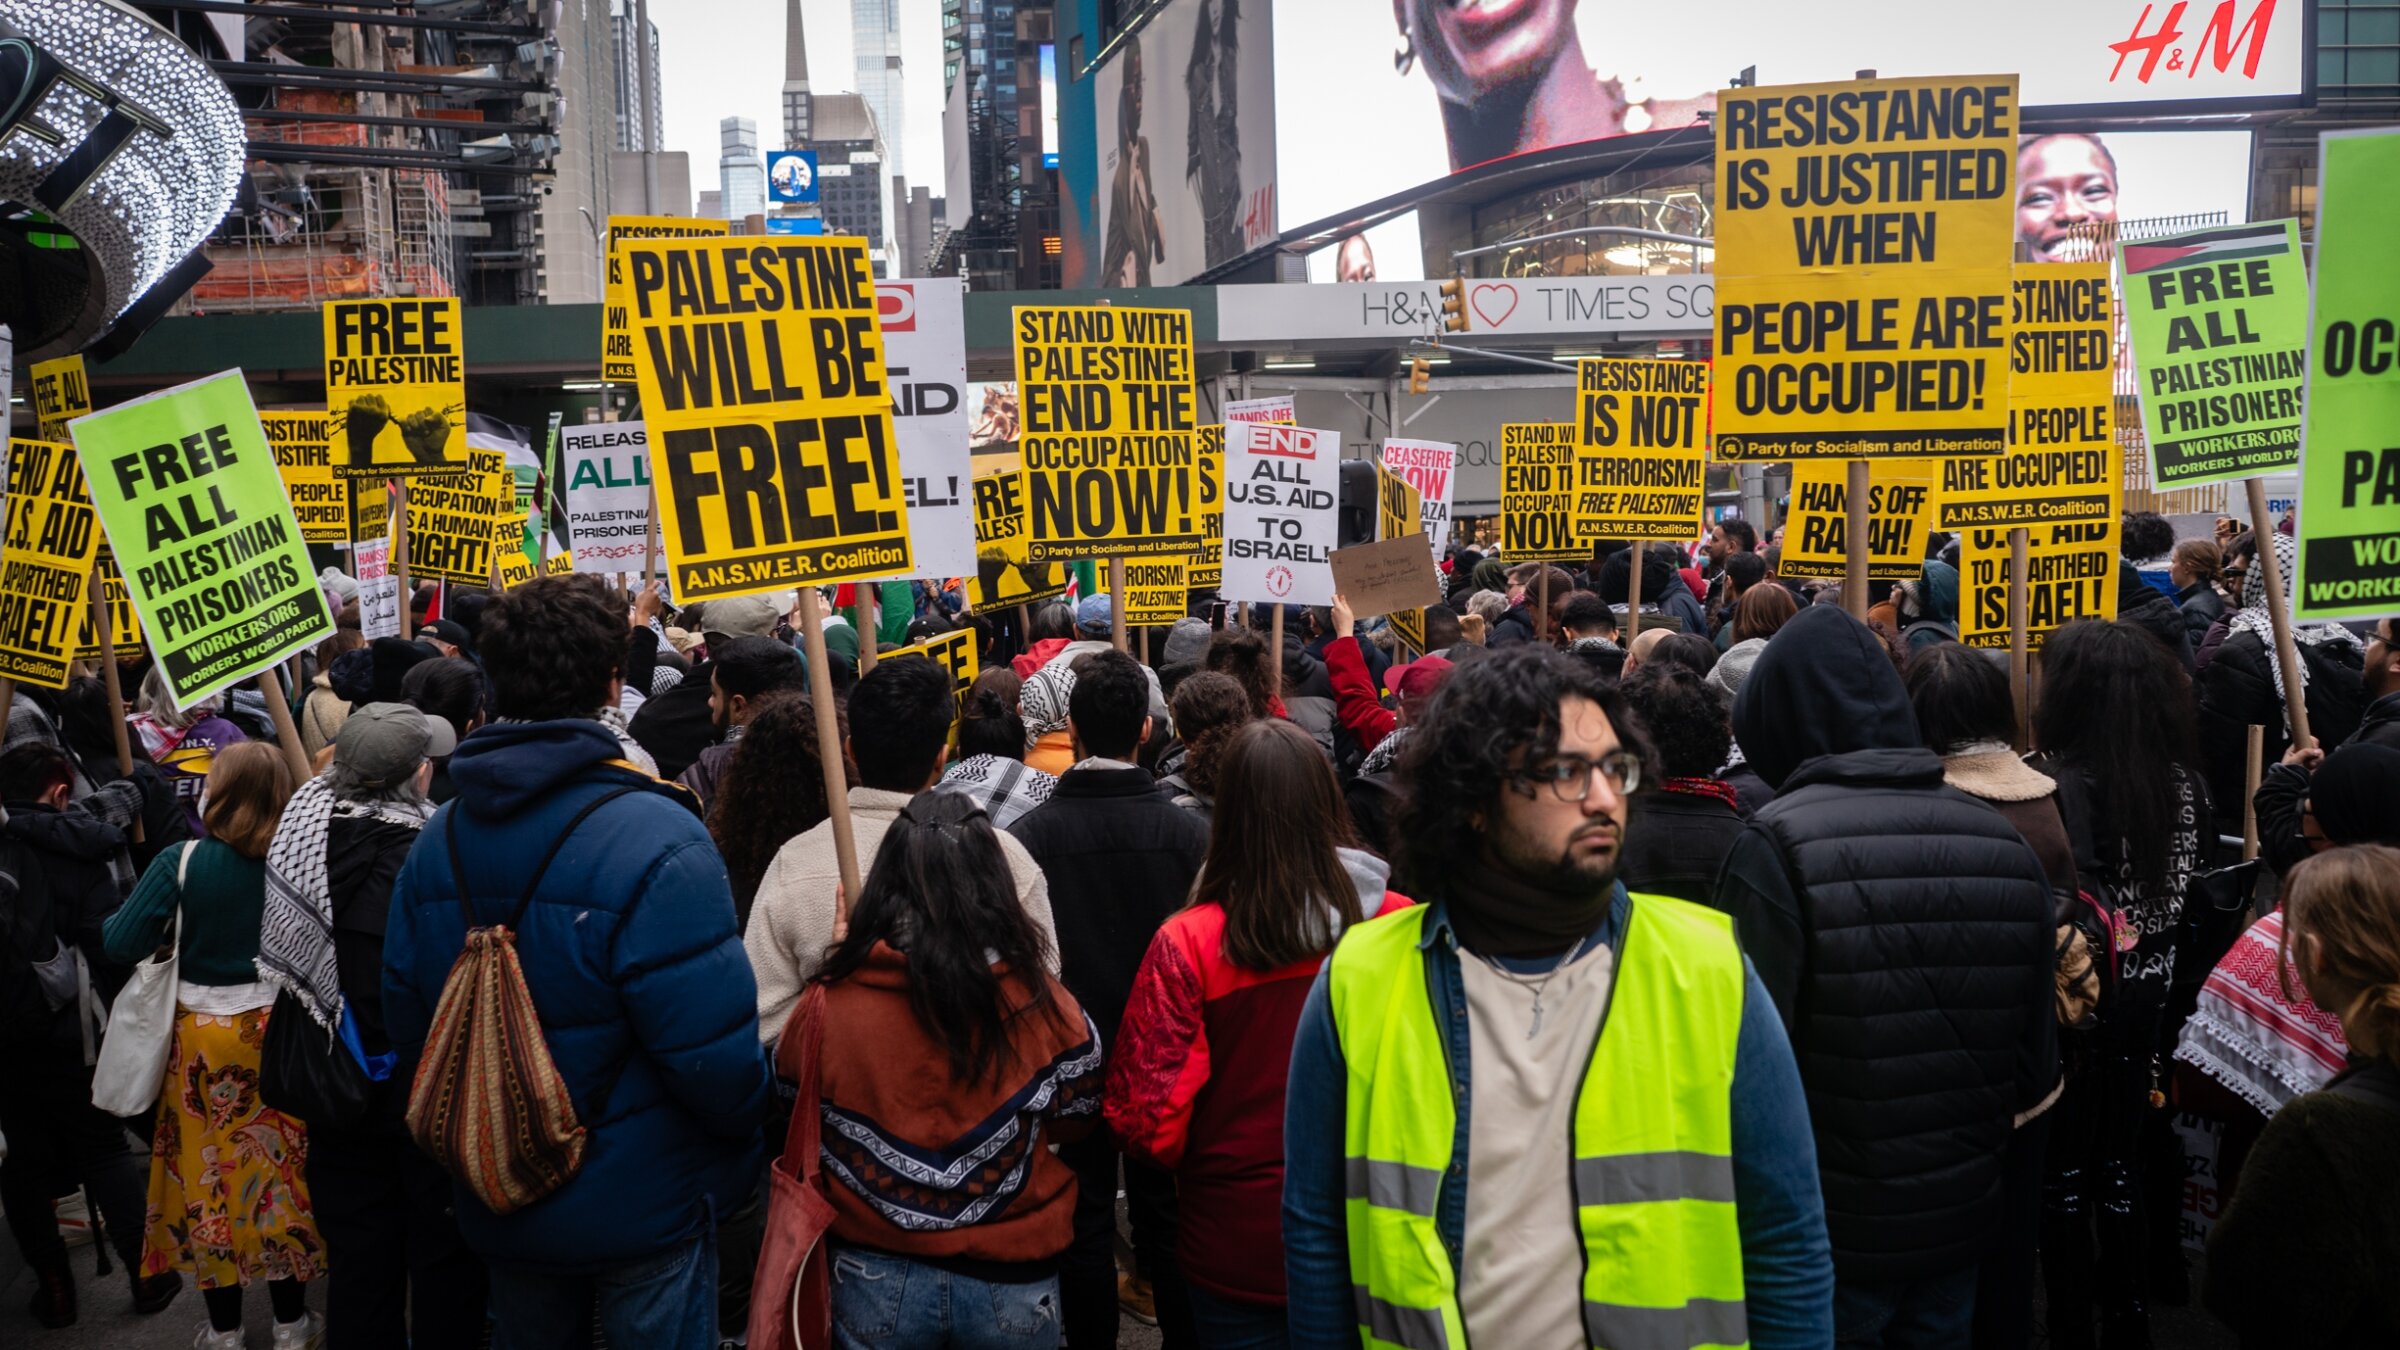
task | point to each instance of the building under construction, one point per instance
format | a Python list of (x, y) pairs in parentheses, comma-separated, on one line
[(407, 149)]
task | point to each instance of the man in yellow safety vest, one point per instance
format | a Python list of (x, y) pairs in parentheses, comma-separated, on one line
[(1538, 1111)]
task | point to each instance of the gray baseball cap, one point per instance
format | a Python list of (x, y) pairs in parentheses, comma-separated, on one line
[(382, 743)]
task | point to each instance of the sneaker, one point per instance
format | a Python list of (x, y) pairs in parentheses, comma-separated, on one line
[(306, 1334), (154, 1294), (1135, 1297), (212, 1339)]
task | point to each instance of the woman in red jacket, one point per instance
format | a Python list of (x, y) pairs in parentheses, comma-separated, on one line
[(1195, 1081)]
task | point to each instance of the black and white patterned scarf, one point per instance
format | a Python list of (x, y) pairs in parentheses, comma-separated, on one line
[(295, 936)]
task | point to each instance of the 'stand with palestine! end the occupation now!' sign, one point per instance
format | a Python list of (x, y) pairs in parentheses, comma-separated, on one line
[(187, 488)]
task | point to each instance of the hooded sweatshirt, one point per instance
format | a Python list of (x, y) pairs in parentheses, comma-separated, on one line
[(637, 974), (1903, 929)]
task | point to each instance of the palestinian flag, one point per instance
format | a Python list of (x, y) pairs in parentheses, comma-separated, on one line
[(516, 443), (2207, 246)]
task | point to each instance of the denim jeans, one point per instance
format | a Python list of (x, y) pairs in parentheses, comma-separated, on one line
[(1232, 1324), (1929, 1314), (662, 1302), (881, 1300)]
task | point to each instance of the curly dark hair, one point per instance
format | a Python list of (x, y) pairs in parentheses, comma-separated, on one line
[(773, 789), (1209, 708), (1489, 720), (552, 647), (1242, 654), (1680, 716)]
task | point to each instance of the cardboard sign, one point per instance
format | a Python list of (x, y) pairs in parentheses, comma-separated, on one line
[(320, 501), (1643, 430), (1205, 571), (769, 409), (516, 569), (1899, 513), (608, 494), (1276, 410), (2071, 573), (925, 339), (2349, 525), (457, 521), (396, 386), (2219, 323), (378, 589), (45, 560), (1386, 577), (2062, 427), (1156, 591), (194, 508), (1282, 513), (1004, 575), (62, 392), (1537, 492), (125, 624), (1111, 468), (616, 327), (1431, 467), (1863, 241)]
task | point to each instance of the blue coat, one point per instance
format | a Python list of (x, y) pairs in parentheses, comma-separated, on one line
[(636, 968)]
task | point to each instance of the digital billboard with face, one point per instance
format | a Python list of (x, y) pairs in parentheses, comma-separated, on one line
[(1379, 96)]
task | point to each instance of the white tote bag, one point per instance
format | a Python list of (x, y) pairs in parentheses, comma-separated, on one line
[(141, 1026)]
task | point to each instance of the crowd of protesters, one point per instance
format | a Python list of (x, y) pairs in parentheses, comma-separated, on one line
[(1768, 979)]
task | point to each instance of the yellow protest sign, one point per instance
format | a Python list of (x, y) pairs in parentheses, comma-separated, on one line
[(396, 386), (1643, 431), (1004, 576), (1863, 241), (954, 651), (370, 510), (2061, 462), (769, 413), (2071, 573), (61, 393), (616, 341), (1537, 492), (1899, 513), (1108, 434), (1156, 591), (125, 625), (1208, 564), (516, 569), (1400, 512), (456, 519), (45, 558), (320, 501)]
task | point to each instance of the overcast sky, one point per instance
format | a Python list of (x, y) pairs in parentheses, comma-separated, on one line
[(724, 58)]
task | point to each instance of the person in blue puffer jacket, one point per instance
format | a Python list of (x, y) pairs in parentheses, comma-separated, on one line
[(635, 965)]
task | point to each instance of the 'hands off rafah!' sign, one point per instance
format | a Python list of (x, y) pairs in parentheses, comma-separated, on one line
[(769, 413), (1282, 501)]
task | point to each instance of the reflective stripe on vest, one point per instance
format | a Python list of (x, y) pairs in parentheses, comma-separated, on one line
[(1653, 1165)]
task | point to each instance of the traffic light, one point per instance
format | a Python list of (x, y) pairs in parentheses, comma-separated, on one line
[(1454, 305), (1420, 375)]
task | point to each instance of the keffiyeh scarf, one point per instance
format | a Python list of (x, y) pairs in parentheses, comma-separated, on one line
[(2246, 1035), (1385, 754), (295, 936), (2252, 617), (1043, 702)]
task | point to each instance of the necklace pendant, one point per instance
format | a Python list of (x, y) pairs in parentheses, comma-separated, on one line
[(1536, 1028)]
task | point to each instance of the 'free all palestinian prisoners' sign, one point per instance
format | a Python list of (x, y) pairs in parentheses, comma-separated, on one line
[(194, 508), (769, 410)]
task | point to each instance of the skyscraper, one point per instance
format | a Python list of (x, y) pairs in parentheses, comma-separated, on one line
[(875, 38), (796, 102), (741, 173), (852, 173), (634, 131)]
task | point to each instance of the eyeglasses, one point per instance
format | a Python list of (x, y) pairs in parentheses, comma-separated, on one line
[(1570, 776)]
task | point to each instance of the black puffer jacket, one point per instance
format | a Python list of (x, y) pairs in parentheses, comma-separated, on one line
[(2142, 604), (2201, 608), (1903, 928), (2380, 723), (2237, 691)]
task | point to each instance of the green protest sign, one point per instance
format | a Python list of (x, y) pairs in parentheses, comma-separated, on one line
[(189, 494), (2219, 321), (2350, 452)]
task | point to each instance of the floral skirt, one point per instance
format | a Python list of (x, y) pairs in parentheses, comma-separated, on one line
[(228, 1188)]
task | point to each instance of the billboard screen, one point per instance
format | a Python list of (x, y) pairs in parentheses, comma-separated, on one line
[(1374, 106), (1186, 112), (1049, 77)]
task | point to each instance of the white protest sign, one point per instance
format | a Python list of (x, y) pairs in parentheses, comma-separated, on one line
[(1429, 467), (378, 589), (925, 353), (608, 494), (1282, 500)]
